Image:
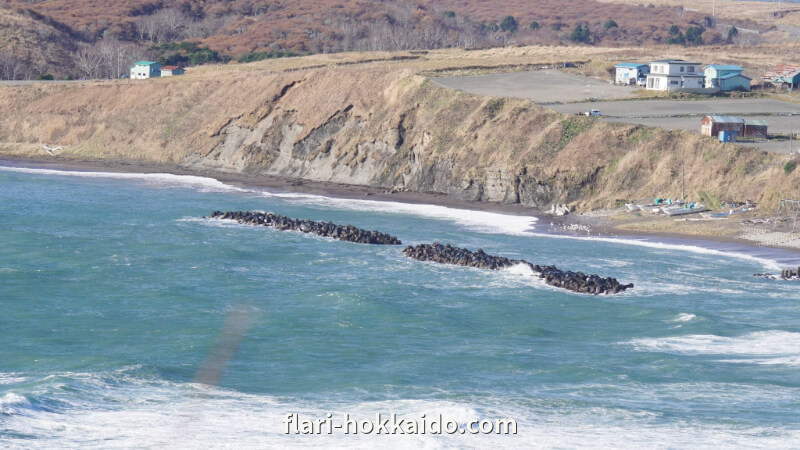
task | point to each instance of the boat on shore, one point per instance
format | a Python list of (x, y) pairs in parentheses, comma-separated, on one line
[(632, 206), (682, 210)]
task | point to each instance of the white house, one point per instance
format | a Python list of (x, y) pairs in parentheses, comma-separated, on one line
[(145, 69), (631, 73), (675, 75)]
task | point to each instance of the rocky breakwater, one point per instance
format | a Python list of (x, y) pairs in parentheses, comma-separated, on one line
[(786, 274), (573, 281), (327, 229)]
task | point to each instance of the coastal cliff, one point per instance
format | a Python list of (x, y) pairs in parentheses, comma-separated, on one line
[(380, 125)]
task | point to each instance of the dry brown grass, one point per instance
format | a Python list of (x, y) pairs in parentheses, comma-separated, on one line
[(727, 9), (167, 119)]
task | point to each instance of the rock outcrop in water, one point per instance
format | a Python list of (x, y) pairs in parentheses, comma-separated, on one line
[(327, 229), (573, 281), (786, 274)]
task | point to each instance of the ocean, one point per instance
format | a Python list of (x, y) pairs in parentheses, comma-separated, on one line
[(129, 320)]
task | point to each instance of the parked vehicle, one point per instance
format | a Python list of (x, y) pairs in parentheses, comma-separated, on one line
[(593, 112)]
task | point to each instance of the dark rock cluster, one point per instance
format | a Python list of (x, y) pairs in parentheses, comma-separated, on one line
[(327, 229), (786, 274), (573, 281)]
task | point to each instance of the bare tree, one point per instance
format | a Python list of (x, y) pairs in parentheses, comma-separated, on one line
[(11, 67), (88, 62)]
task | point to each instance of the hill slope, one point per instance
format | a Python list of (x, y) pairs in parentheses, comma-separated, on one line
[(256, 29), (380, 124)]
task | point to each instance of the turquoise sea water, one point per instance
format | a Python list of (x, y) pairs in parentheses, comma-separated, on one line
[(128, 320)]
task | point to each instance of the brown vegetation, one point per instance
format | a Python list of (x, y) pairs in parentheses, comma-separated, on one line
[(333, 118), (90, 31)]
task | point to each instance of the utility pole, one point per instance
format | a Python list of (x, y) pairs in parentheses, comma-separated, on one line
[(714, 9), (683, 181)]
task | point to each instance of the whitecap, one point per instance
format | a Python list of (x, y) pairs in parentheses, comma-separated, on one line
[(12, 403), (11, 378), (683, 317), (480, 221), (760, 343), (160, 179), (764, 262)]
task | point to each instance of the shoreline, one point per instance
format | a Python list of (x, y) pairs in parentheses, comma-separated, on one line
[(599, 226)]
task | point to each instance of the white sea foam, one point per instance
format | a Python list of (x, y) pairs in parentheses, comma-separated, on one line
[(521, 270), (11, 378), (12, 403), (766, 263), (683, 317), (785, 344), (481, 221), (162, 414), (204, 184)]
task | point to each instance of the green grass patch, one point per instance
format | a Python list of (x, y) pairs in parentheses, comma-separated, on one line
[(711, 201)]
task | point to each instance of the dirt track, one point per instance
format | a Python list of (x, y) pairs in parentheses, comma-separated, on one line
[(540, 86)]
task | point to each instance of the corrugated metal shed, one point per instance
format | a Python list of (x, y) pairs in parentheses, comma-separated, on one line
[(726, 119)]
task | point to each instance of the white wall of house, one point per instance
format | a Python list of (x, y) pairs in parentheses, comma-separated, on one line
[(141, 72), (674, 68), (627, 75), (674, 83)]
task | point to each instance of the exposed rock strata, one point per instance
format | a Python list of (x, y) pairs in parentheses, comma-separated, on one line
[(573, 281), (326, 229)]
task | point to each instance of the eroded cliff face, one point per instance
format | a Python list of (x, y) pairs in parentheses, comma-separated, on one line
[(401, 141), (381, 127)]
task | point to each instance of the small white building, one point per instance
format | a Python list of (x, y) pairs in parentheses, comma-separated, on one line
[(631, 73), (169, 71), (675, 75), (145, 69)]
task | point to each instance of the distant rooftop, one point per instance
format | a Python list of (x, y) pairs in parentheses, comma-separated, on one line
[(726, 119), (145, 63), (724, 67), (755, 122), (733, 75), (631, 65), (675, 61), (170, 68)]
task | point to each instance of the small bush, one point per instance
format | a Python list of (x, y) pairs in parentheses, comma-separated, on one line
[(510, 24), (610, 24), (789, 167), (534, 25)]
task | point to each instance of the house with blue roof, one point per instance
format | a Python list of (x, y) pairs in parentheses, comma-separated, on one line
[(631, 73), (726, 78), (145, 69)]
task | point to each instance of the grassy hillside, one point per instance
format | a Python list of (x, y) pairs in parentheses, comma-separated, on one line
[(94, 38), (343, 118), (31, 45)]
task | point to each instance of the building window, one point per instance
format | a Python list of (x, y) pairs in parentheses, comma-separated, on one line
[(674, 82), (682, 68), (691, 69)]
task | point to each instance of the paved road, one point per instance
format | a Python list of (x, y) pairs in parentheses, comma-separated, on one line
[(666, 108), (30, 82), (540, 86)]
